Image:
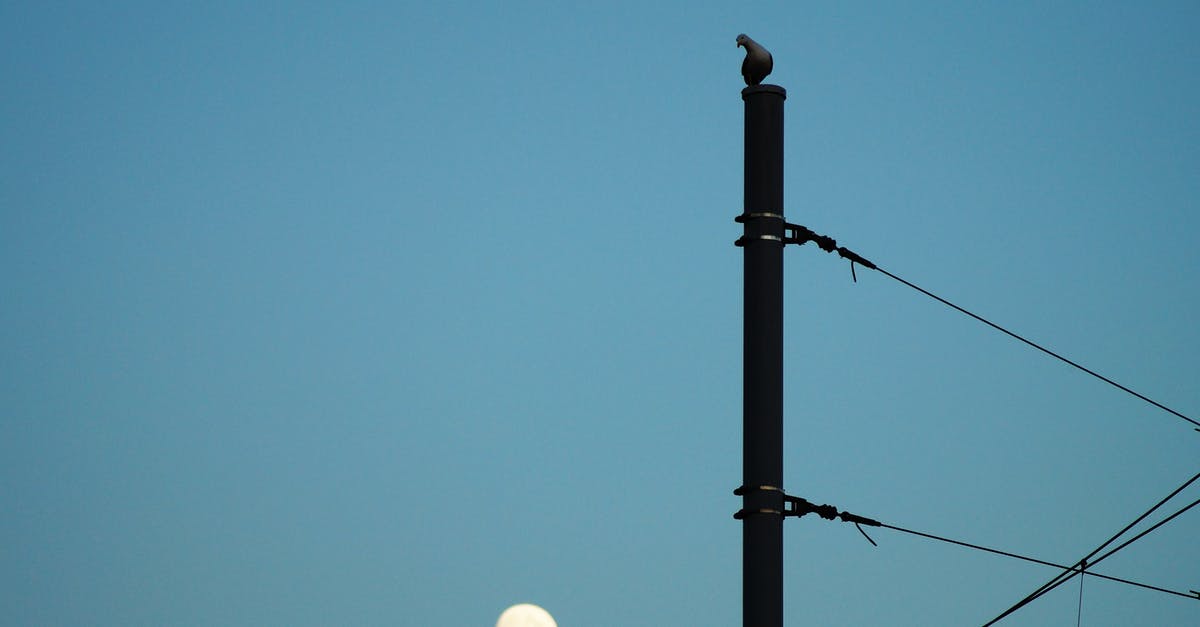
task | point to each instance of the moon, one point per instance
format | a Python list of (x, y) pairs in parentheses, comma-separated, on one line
[(526, 615)]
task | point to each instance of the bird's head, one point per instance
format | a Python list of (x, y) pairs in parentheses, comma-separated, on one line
[(742, 39)]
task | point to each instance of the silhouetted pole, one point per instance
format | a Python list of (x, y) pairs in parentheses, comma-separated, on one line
[(762, 360)]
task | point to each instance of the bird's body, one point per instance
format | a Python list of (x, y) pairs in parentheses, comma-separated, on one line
[(757, 64)]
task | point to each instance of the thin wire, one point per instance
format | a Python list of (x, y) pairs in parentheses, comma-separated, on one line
[(801, 234), (1079, 607), (1038, 346), (1066, 577), (1144, 533), (1034, 560), (1079, 610), (1070, 572)]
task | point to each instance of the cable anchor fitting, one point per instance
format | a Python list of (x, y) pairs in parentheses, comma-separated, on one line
[(801, 235), (796, 506)]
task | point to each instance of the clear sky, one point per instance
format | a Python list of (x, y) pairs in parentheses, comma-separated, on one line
[(403, 313)]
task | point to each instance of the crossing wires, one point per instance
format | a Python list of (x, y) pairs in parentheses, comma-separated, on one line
[(801, 507), (800, 235), (1087, 561)]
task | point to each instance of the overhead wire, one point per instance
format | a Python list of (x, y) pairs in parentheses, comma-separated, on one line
[(1065, 577), (1039, 347), (800, 235), (1079, 605), (1035, 560), (1087, 560), (832, 513)]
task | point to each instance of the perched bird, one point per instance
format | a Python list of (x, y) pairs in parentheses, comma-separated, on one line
[(757, 63)]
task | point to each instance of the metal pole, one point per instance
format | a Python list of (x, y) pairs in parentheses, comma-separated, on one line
[(762, 401)]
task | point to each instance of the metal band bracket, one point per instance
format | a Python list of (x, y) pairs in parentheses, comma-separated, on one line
[(743, 240), (758, 214)]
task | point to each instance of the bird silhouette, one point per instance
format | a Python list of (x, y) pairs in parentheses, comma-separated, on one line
[(757, 64)]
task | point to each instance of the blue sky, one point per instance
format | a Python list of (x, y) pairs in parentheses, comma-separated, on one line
[(400, 314)]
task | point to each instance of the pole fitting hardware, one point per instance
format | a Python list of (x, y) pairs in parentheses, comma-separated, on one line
[(799, 507), (770, 501), (741, 241), (791, 505), (801, 235), (796, 506), (754, 215), (758, 215)]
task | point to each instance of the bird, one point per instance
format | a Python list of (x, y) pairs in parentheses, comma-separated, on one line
[(758, 62)]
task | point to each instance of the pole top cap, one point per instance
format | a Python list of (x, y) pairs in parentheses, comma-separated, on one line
[(763, 89)]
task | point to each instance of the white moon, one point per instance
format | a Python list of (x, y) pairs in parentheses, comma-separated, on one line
[(526, 615)]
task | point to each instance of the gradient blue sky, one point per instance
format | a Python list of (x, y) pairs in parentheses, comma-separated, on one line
[(402, 313)]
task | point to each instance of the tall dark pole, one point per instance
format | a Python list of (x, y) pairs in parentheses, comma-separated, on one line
[(762, 365)]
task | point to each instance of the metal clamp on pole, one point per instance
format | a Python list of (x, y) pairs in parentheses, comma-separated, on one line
[(758, 215), (795, 506), (754, 215), (772, 505), (743, 240)]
